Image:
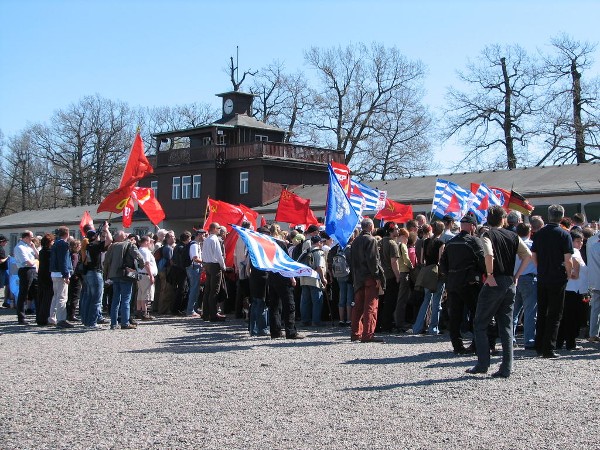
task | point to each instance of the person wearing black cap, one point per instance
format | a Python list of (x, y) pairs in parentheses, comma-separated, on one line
[(497, 296), (3, 268), (463, 265)]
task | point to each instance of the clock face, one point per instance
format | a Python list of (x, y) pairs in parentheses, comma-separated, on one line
[(228, 106)]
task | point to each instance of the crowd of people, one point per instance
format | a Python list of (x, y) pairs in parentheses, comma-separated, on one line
[(478, 281)]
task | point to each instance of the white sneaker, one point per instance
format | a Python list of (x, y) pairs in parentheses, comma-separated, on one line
[(51, 321), (95, 327)]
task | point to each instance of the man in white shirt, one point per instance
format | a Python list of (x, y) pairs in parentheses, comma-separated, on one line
[(214, 265), (26, 256), (146, 283)]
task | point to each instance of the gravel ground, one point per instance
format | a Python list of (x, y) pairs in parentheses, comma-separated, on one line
[(185, 383)]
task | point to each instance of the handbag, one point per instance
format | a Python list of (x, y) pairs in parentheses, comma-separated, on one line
[(428, 277), (131, 274)]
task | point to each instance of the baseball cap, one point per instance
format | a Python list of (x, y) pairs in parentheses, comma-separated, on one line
[(90, 234), (316, 238), (469, 218)]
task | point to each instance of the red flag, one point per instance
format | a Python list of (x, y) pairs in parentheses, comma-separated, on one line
[(342, 172), (229, 244), (137, 166), (250, 214), (263, 221), (86, 219), (395, 212), (149, 204), (128, 213), (116, 200), (294, 209), (223, 213)]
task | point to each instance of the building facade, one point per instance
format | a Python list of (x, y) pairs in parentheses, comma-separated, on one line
[(236, 159)]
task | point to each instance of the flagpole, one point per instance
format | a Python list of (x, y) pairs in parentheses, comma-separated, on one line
[(206, 209)]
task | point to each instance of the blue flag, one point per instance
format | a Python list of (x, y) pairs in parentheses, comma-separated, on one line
[(340, 216)]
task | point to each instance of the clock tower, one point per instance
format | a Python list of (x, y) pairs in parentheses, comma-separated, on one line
[(236, 102)]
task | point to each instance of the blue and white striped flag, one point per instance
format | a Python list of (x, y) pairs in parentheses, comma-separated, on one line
[(266, 254), (449, 199), (481, 201), (365, 199)]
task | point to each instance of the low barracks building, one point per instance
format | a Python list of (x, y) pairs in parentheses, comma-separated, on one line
[(238, 159)]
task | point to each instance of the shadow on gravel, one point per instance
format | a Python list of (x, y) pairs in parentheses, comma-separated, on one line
[(387, 387), (423, 357)]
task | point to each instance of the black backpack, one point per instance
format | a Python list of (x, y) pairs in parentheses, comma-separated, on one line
[(181, 255), (307, 257)]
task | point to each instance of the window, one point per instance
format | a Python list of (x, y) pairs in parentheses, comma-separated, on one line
[(154, 187), (140, 231), (207, 140), (261, 138), (243, 182), (196, 186), (176, 191), (221, 139), (186, 187)]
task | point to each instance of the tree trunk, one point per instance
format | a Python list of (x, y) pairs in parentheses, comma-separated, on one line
[(507, 123), (577, 124)]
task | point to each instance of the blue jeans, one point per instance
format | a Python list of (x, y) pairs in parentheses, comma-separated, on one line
[(346, 293), (498, 302), (259, 318), (93, 291), (594, 312), (311, 304), (193, 276), (526, 301), (435, 298), (122, 289)]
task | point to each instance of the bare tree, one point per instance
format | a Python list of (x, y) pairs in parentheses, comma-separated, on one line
[(496, 111), (357, 84), (571, 119), (170, 118), (31, 184), (399, 144), (87, 144), (233, 72), (269, 89), (283, 100)]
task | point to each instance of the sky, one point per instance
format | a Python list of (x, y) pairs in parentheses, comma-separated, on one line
[(166, 53)]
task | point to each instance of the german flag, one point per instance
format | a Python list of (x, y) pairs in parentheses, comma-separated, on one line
[(519, 203)]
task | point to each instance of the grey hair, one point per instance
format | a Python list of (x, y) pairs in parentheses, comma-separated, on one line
[(555, 213), (366, 223)]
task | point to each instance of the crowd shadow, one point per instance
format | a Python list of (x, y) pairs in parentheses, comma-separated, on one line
[(429, 382)]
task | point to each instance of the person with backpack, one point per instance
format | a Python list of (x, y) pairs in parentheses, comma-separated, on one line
[(311, 302), (340, 269)]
